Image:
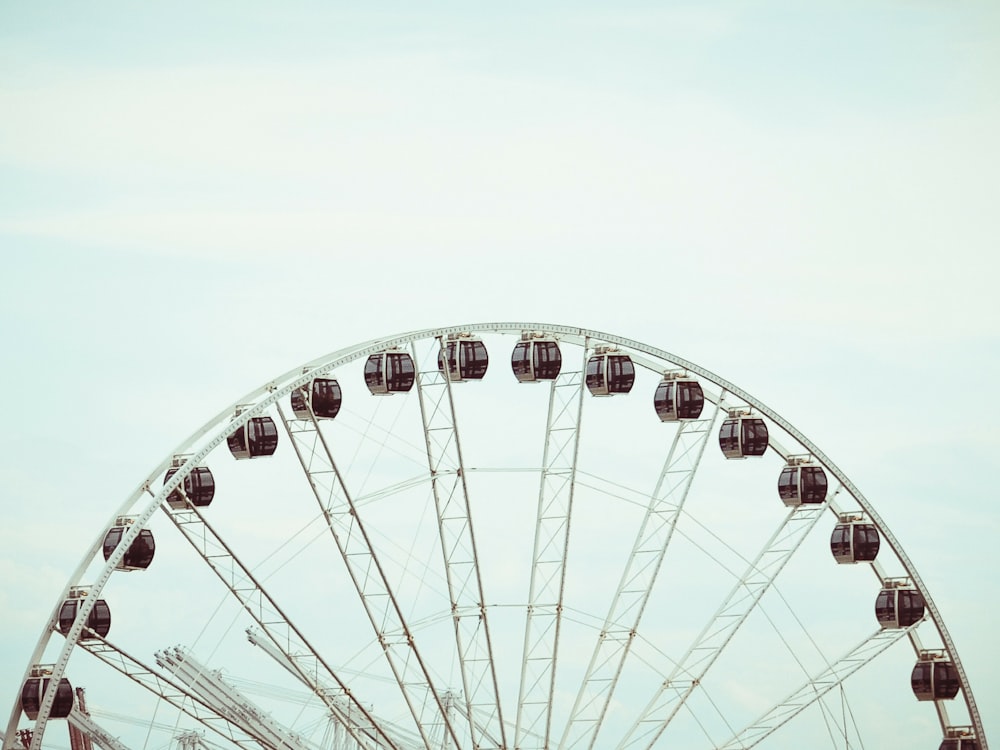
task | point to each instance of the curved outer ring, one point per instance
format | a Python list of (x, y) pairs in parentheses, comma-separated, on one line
[(260, 399)]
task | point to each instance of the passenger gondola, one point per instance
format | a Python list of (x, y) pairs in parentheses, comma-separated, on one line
[(609, 371), (198, 487), (536, 358), (959, 738), (321, 395), (140, 552), (678, 397), (389, 372), (742, 435), (934, 677), (898, 605), (802, 483), (466, 356), (854, 540), (99, 619), (33, 692), (258, 437)]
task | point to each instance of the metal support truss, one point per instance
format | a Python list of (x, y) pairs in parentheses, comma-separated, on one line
[(168, 690), (377, 597), (622, 623), (732, 613), (461, 561), (93, 730), (311, 667), (548, 569), (228, 702), (815, 688), (355, 722)]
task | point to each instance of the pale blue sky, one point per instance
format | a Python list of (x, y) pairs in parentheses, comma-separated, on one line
[(802, 198)]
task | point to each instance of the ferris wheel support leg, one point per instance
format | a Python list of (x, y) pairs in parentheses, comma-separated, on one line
[(638, 578), (474, 647)]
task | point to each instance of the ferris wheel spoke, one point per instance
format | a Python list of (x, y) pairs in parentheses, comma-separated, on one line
[(815, 688), (691, 668), (168, 690), (376, 595), (310, 666), (458, 546), (637, 581), (545, 598)]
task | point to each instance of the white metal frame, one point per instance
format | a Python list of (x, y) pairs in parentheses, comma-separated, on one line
[(213, 434)]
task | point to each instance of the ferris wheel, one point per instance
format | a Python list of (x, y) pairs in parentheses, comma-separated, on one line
[(497, 535)]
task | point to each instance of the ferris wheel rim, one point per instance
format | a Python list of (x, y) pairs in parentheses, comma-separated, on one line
[(268, 394)]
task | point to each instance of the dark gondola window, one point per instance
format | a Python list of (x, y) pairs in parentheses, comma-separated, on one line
[(199, 486), (389, 372), (262, 435), (548, 360), (139, 554), (373, 372), (854, 541), (934, 679), (729, 437), (802, 484), (955, 743), (899, 607), (690, 400), (326, 398), (813, 480), (788, 483), (754, 437), (909, 607), (866, 542), (621, 373), (595, 373), (677, 399), (99, 619), (840, 541), (33, 691), (473, 359), (536, 359), (663, 401), (321, 394), (520, 360)]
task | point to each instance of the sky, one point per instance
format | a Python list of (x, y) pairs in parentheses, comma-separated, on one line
[(800, 198)]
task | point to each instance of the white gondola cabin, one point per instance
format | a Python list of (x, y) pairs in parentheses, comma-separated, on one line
[(742, 435), (609, 371), (898, 605), (802, 482), (139, 554), (99, 619), (678, 397), (466, 356), (34, 690), (198, 487), (536, 358), (854, 539), (320, 395), (934, 677), (257, 438), (389, 372)]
